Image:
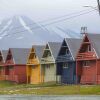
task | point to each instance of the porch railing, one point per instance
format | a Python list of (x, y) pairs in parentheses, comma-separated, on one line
[(63, 58), (86, 55)]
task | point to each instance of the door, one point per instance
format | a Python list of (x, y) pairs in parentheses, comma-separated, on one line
[(50, 73), (88, 72), (68, 73), (35, 74)]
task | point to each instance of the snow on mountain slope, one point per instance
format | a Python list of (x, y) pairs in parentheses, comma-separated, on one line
[(69, 32), (20, 31)]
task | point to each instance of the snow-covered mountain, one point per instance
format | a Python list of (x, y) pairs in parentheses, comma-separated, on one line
[(20, 31)]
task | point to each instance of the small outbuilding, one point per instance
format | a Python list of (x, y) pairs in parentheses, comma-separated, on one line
[(88, 60), (66, 62), (3, 54), (48, 61), (15, 65), (34, 75)]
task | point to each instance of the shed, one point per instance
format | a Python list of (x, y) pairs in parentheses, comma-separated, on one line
[(15, 65), (66, 63), (48, 61), (34, 75), (88, 60), (3, 54)]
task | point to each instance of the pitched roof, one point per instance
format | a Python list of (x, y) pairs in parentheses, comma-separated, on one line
[(55, 47), (20, 55), (95, 41), (4, 54), (74, 45), (39, 50)]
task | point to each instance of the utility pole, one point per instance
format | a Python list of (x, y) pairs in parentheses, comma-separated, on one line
[(98, 6)]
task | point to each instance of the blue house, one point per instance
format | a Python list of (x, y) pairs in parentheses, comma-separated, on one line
[(66, 64)]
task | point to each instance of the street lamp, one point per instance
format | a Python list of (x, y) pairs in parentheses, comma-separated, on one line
[(95, 8), (98, 6)]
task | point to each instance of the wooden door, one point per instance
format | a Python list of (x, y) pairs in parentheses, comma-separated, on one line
[(35, 74)]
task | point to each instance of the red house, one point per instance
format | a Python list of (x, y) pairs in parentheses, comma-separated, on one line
[(15, 65), (3, 54), (88, 60)]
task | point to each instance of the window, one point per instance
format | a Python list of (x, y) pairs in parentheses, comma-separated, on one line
[(1, 67), (34, 56), (65, 65), (86, 63), (89, 48), (10, 67), (33, 67), (49, 54), (48, 66), (67, 51)]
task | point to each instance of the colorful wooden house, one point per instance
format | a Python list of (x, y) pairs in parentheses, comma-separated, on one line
[(33, 65), (48, 61), (3, 54), (15, 65), (88, 60), (66, 63)]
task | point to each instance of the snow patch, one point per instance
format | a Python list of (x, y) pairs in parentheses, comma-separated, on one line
[(24, 25), (9, 22), (20, 38), (1, 37), (4, 34), (60, 33)]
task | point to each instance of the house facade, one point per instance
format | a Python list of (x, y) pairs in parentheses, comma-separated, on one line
[(15, 65), (66, 63), (34, 75), (3, 54), (88, 60), (48, 61)]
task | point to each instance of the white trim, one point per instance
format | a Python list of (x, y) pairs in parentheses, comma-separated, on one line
[(29, 55), (69, 49), (11, 54), (95, 52), (92, 46), (51, 53), (2, 56)]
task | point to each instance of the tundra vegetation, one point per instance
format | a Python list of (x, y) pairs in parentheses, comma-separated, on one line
[(10, 88)]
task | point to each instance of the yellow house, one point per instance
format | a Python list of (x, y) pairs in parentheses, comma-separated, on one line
[(34, 75)]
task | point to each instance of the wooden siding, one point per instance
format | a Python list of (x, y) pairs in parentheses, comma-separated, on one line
[(86, 51), (87, 65), (9, 59), (2, 73), (49, 72), (64, 58), (98, 71), (88, 75), (48, 66), (68, 73), (86, 56), (16, 74), (33, 68), (47, 60), (35, 75)]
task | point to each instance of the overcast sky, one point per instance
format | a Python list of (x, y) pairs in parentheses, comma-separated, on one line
[(39, 10)]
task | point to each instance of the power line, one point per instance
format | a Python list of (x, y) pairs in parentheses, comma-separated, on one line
[(69, 17), (56, 18), (54, 22)]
